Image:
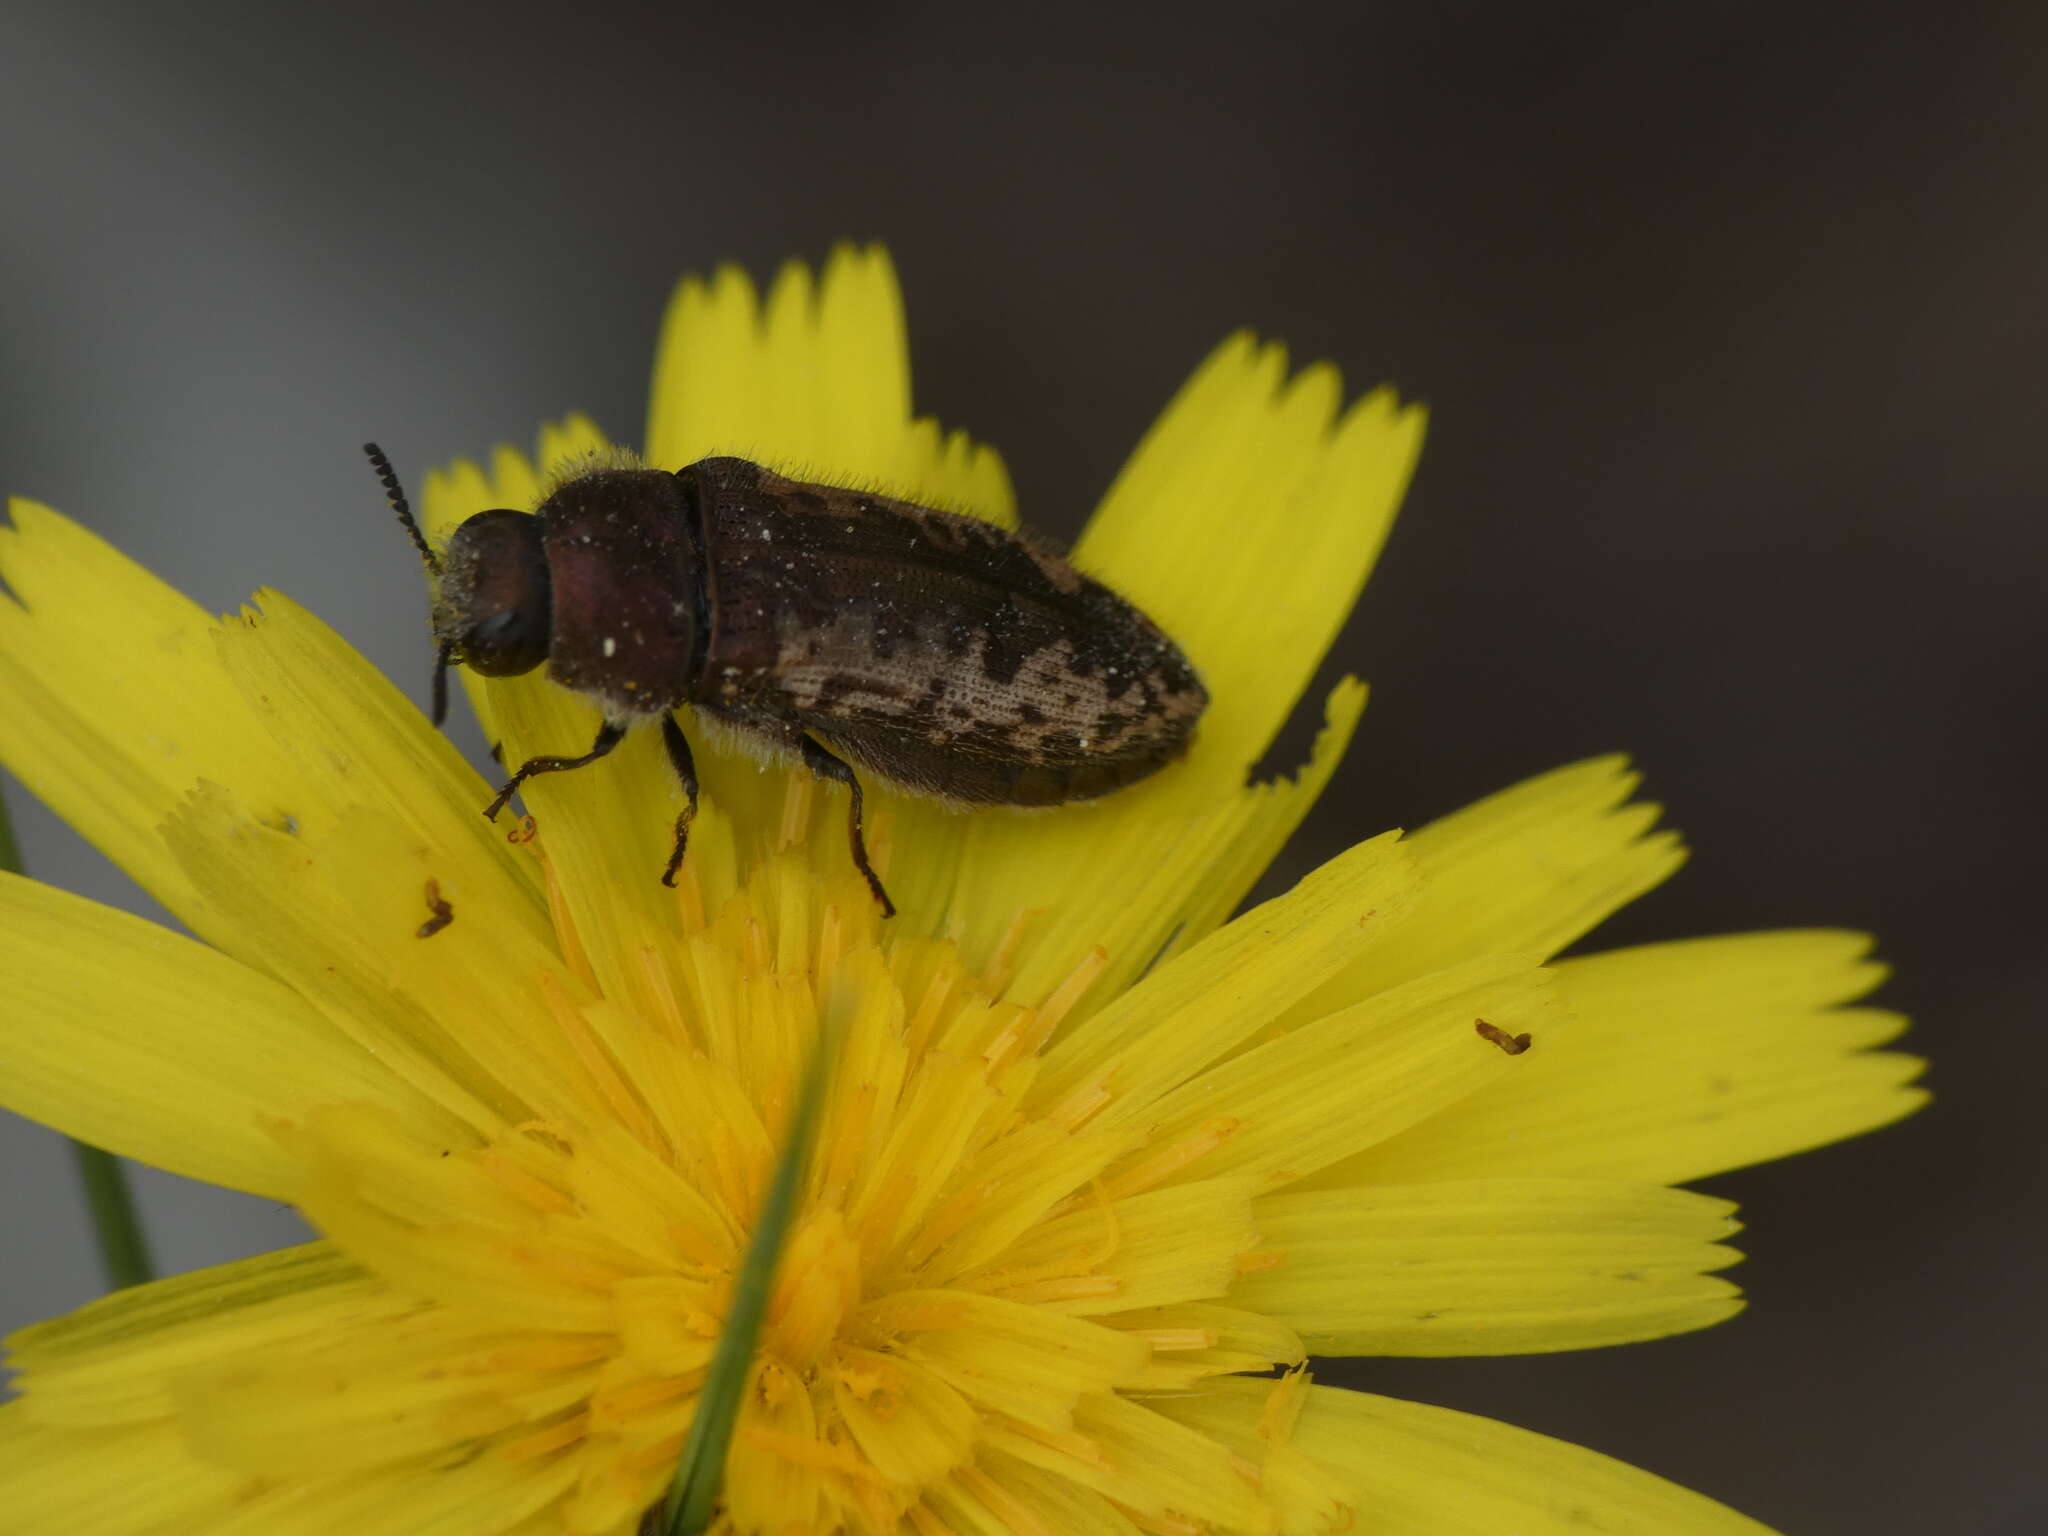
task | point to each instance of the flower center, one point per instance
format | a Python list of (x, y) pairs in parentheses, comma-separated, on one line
[(935, 1298), (818, 1286)]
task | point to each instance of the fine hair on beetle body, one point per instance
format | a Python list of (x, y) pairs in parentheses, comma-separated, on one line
[(813, 623)]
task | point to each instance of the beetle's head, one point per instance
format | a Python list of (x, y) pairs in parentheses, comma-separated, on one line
[(491, 603), (493, 610)]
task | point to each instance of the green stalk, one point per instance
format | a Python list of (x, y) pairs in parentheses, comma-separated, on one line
[(693, 1499), (123, 1254), (10, 856)]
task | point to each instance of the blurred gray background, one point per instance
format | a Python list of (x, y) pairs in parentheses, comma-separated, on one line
[(1731, 317)]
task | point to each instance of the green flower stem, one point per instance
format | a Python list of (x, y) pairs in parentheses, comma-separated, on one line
[(693, 1500), (10, 855), (123, 1254)]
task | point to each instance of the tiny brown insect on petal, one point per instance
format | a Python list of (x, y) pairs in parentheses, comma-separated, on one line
[(444, 914), (1514, 1045), (527, 830)]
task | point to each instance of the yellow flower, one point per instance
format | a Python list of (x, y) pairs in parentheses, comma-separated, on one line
[(1092, 1157)]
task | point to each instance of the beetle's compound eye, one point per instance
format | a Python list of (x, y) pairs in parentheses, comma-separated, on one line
[(494, 607)]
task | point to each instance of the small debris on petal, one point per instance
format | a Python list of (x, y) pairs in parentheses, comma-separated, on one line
[(444, 914), (1514, 1045)]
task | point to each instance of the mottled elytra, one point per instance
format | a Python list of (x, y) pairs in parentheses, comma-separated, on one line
[(950, 657)]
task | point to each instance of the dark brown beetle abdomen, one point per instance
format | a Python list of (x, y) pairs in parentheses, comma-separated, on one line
[(952, 657)]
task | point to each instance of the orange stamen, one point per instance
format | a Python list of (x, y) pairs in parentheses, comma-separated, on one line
[(1002, 964), (1001, 1503), (553, 1438), (1170, 1160), (525, 1185), (796, 812), (661, 995), (1070, 1288), (690, 898), (1056, 1007), (603, 1071), (573, 954), (1166, 1340), (1259, 1260)]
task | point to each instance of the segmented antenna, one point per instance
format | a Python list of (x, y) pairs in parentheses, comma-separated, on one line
[(400, 505), (444, 656)]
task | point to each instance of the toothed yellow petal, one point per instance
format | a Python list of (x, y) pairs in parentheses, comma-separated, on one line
[(814, 381), (1251, 486), (112, 702), (1026, 1362), (1143, 874), (1354, 1079), (1523, 872), (1232, 983), (1682, 1060), (1410, 1468), (1404, 1455), (358, 741), (1194, 1340), (58, 1480), (1491, 1267), (153, 1046), (1152, 1249), (908, 1421), (111, 1361), (1014, 1498), (334, 910), (470, 1496), (1156, 1465)]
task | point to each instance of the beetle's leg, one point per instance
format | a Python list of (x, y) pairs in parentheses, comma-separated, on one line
[(686, 770), (826, 766), (608, 736)]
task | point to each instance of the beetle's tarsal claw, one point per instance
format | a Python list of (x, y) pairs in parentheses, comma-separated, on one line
[(675, 858)]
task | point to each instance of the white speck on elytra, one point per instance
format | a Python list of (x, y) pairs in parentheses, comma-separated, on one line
[(610, 645)]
